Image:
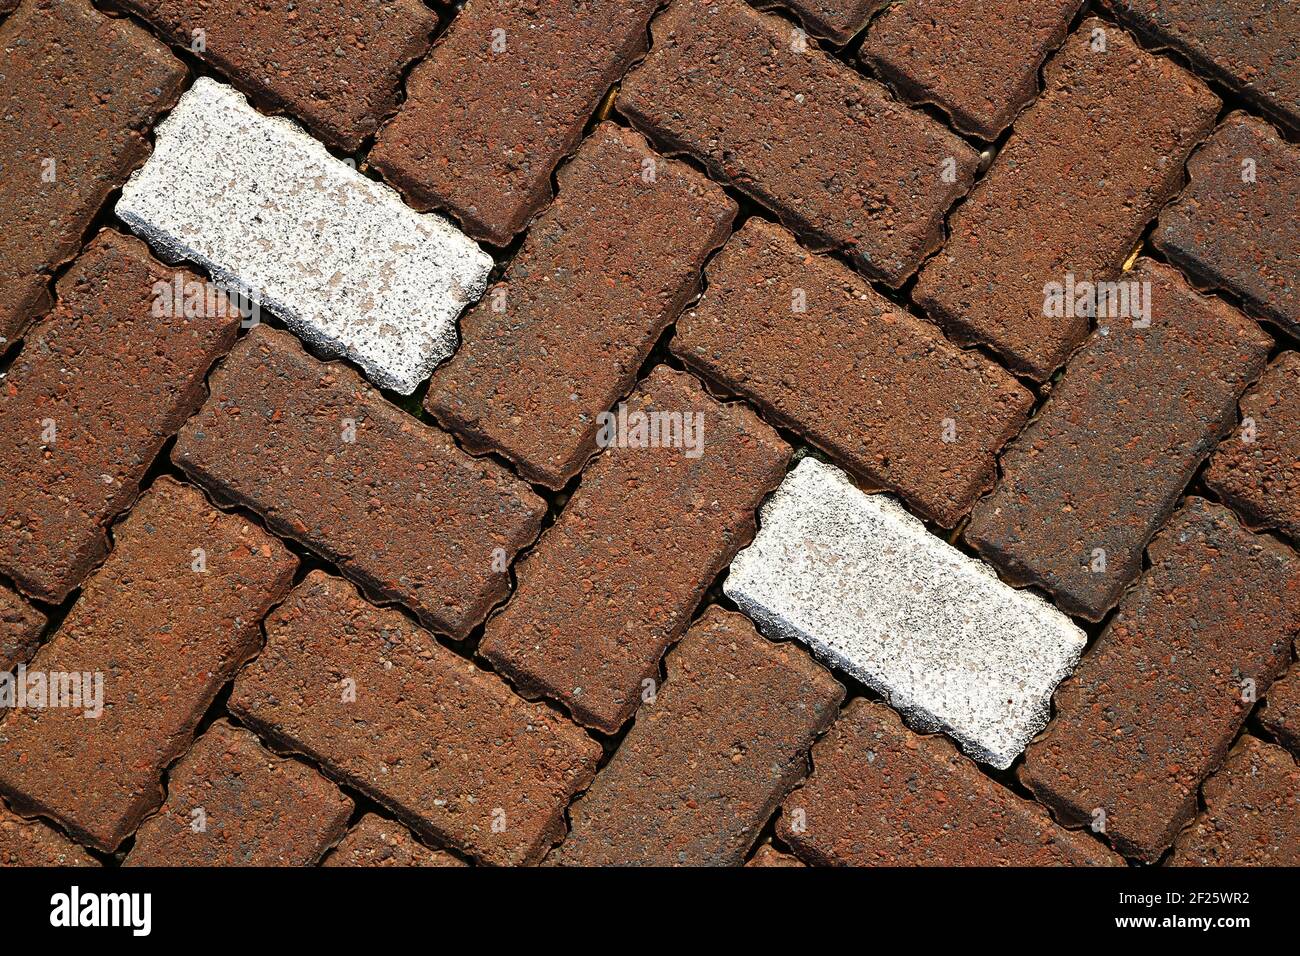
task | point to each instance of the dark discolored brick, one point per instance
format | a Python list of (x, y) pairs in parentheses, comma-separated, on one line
[(1237, 224), (603, 271), (1155, 704), (378, 704), (815, 347), (20, 629), (976, 60), (98, 388), (375, 841), (1252, 812), (78, 94), (880, 795), (1087, 166), (334, 65), (231, 802), (1102, 466), (710, 755), (1252, 46), (32, 843), (834, 155), (501, 100), (1280, 715), (328, 461), (836, 20), (1256, 469), (165, 636), (769, 856), (614, 582)]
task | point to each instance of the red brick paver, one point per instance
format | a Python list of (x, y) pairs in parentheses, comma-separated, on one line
[(1280, 715), (1155, 704), (78, 92), (1086, 168), (1237, 224), (975, 59), (1252, 812), (603, 271), (89, 402), (881, 795), (1257, 467), (335, 65), (165, 622), (376, 842), (502, 98), (327, 460), (769, 856), (836, 20), (835, 156), (32, 843), (20, 629), (1251, 45), (380, 705), (823, 353), (711, 754), (231, 802), (615, 580), (1102, 466)]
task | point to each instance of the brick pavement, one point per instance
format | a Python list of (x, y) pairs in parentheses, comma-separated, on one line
[(941, 352)]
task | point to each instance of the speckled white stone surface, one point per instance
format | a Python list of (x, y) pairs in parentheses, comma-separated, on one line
[(348, 266), (863, 583)]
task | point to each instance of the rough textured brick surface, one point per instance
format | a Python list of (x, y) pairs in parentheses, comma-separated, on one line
[(836, 20), (109, 381), (1257, 467), (1103, 465), (339, 257), (81, 90), (1057, 202), (20, 629), (872, 385), (976, 60), (1156, 703), (835, 155), (603, 271), (254, 808), (32, 843), (616, 579), (1252, 812), (165, 638), (880, 795), (1238, 235), (503, 97), (769, 856), (1251, 45), (866, 586), (380, 705), (710, 757), (336, 65), (330, 462), (376, 842), (1280, 715)]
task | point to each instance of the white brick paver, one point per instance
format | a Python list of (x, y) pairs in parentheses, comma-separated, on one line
[(866, 586), (339, 258)]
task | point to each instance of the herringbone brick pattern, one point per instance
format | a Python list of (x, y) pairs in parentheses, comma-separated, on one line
[(649, 432)]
